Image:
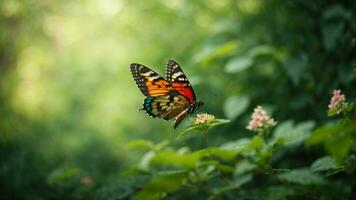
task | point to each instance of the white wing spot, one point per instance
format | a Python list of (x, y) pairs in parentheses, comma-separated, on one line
[(152, 78), (147, 73), (177, 74)]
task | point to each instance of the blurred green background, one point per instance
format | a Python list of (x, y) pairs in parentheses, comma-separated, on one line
[(68, 103)]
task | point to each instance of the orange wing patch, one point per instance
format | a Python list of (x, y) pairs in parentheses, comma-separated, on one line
[(149, 82), (158, 88)]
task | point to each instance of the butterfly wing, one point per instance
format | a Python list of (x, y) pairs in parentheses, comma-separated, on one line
[(166, 106), (178, 80), (148, 81), (166, 99)]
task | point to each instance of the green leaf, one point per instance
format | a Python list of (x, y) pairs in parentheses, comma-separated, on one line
[(332, 112), (213, 52), (191, 129), (223, 154), (162, 184), (203, 127), (340, 146), (217, 122), (235, 106), (161, 145), (140, 144), (146, 160), (238, 145), (303, 176), (147, 145), (62, 175), (324, 164), (238, 64), (224, 168), (236, 183), (257, 142), (244, 166), (225, 49), (276, 193), (261, 51), (216, 164), (288, 134), (282, 130), (336, 139), (134, 170), (346, 108), (171, 158), (322, 134)]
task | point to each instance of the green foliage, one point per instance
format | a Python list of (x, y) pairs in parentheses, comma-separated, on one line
[(68, 126), (238, 64), (172, 158), (326, 164), (140, 144), (160, 185), (244, 166), (302, 176), (345, 107), (235, 184), (202, 126), (339, 135), (62, 175), (277, 193), (217, 52), (238, 164), (290, 135), (235, 106)]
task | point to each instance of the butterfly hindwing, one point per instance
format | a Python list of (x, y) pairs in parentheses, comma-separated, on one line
[(166, 106), (148, 81), (178, 80)]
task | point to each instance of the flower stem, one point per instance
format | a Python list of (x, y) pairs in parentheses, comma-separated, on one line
[(205, 133)]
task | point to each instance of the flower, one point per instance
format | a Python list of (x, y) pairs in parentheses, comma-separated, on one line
[(260, 120), (203, 117), (337, 102)]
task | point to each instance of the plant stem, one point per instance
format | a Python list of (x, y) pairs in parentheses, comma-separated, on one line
[(205, 133)]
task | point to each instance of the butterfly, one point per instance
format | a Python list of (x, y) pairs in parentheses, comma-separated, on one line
[(167, 98)]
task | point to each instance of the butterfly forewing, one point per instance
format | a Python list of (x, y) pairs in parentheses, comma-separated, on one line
[(178, 80), (148, 81)]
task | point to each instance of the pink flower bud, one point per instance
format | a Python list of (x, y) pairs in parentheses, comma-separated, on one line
[(260, 120), (336, 102)]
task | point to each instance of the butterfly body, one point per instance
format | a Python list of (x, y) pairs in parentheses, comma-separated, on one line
[(168, 98)]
